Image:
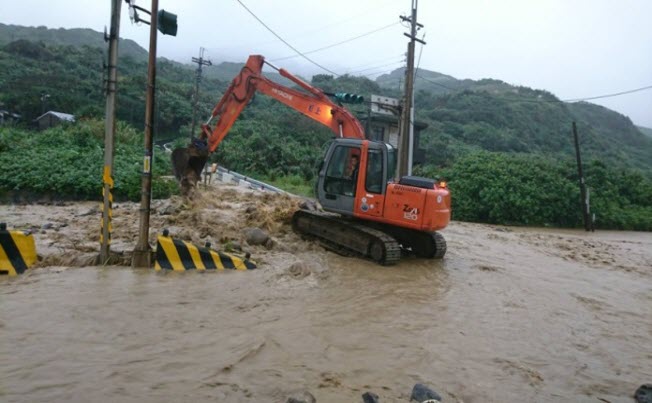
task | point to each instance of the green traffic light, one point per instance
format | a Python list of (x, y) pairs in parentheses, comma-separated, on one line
[(348, 98), (167, 23)]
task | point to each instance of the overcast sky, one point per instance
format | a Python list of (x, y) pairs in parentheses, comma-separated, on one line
[(572, 48)]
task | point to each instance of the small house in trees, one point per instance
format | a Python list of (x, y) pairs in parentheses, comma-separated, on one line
[(52, 118)]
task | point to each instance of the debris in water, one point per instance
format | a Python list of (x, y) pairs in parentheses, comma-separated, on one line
[(421, 393)]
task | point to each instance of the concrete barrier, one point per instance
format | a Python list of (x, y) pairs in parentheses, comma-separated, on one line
[(17, 251), (178, 255)]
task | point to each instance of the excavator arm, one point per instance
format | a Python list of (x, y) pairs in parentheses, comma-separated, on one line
[(313, 103)]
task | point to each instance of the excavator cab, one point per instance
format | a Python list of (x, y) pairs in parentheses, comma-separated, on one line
[(353, 167)]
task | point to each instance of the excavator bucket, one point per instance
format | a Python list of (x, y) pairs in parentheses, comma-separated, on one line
[(188, 162)]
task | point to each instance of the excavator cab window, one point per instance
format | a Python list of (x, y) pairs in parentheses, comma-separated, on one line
[(374, 180), (392, 158), (341, 171)]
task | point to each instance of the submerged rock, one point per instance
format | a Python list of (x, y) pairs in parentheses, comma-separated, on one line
[(301, 397), (644, 393), (299, 270), (370, 397), (256, 236), (422, 393)]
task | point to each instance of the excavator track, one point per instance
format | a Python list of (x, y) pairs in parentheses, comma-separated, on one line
[(347, 237), (428, 245)]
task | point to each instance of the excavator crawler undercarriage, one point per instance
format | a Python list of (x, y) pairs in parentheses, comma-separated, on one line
[(382, 244)]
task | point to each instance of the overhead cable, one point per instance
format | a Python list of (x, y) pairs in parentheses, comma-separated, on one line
[(432, 82), (401, 55), (648, 87), (338, 43), (285, 42), (375, 67), (609, 95)]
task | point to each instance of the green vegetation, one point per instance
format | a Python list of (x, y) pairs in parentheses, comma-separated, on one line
[(66, 162), (73, 79), (645, 130), (78, 37), (507, 151), (294, 184), (522, 189)]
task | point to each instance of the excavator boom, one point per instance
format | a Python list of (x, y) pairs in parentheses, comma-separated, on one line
[(313, 103)]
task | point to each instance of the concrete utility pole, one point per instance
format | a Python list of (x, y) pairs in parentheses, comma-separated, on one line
[(583, 192), (142, 256), (200, 62), (404, 166), (109, 132), (165, 22)]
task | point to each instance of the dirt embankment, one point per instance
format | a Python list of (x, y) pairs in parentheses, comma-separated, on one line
[(68, 233)]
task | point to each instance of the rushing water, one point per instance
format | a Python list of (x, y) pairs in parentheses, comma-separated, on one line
[(508, 316)]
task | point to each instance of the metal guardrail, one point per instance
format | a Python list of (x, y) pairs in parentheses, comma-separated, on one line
[(228, 176)]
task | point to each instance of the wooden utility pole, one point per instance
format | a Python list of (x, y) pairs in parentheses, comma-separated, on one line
[(584, 196), (200, 62), (407, 116), (109, 132), (142, 256)]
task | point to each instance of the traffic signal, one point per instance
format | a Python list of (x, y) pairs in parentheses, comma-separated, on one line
[(347, 98), (167, 23)]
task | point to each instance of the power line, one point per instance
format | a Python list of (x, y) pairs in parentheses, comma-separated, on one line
[(284, 41), (610, 95), (401, 55), (438, 84), (312, 31), (376, 74), (648, 87), (375, 67), (420, 52), (338, 43)]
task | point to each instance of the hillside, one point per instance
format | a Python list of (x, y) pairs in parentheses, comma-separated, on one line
[(645, 130), (73, 37), (462, 115), (527, 121), (73, 80)]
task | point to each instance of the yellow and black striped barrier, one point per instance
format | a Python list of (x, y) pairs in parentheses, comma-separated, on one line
[(17, 251), (178, 255)]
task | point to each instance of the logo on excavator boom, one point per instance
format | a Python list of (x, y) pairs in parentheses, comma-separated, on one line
[(282, 94)]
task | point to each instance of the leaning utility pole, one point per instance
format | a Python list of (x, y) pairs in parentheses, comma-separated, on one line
[(585, 199), (200, 62), (109, 133), (404, 167)]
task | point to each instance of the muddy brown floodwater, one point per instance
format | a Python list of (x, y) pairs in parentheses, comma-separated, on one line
[(510, 315)]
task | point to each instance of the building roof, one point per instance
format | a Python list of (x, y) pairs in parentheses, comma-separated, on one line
[(5, 112), (60, 115)]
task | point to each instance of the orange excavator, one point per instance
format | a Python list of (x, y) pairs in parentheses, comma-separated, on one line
[(367, 213)]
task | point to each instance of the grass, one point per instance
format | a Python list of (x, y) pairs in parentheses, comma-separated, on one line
[(295, 184)]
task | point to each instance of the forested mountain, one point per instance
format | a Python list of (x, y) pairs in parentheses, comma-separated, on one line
[(483, 125), (73, 37), (645, 130)]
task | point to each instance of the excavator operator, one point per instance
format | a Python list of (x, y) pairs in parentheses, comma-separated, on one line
[(354, 165)]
